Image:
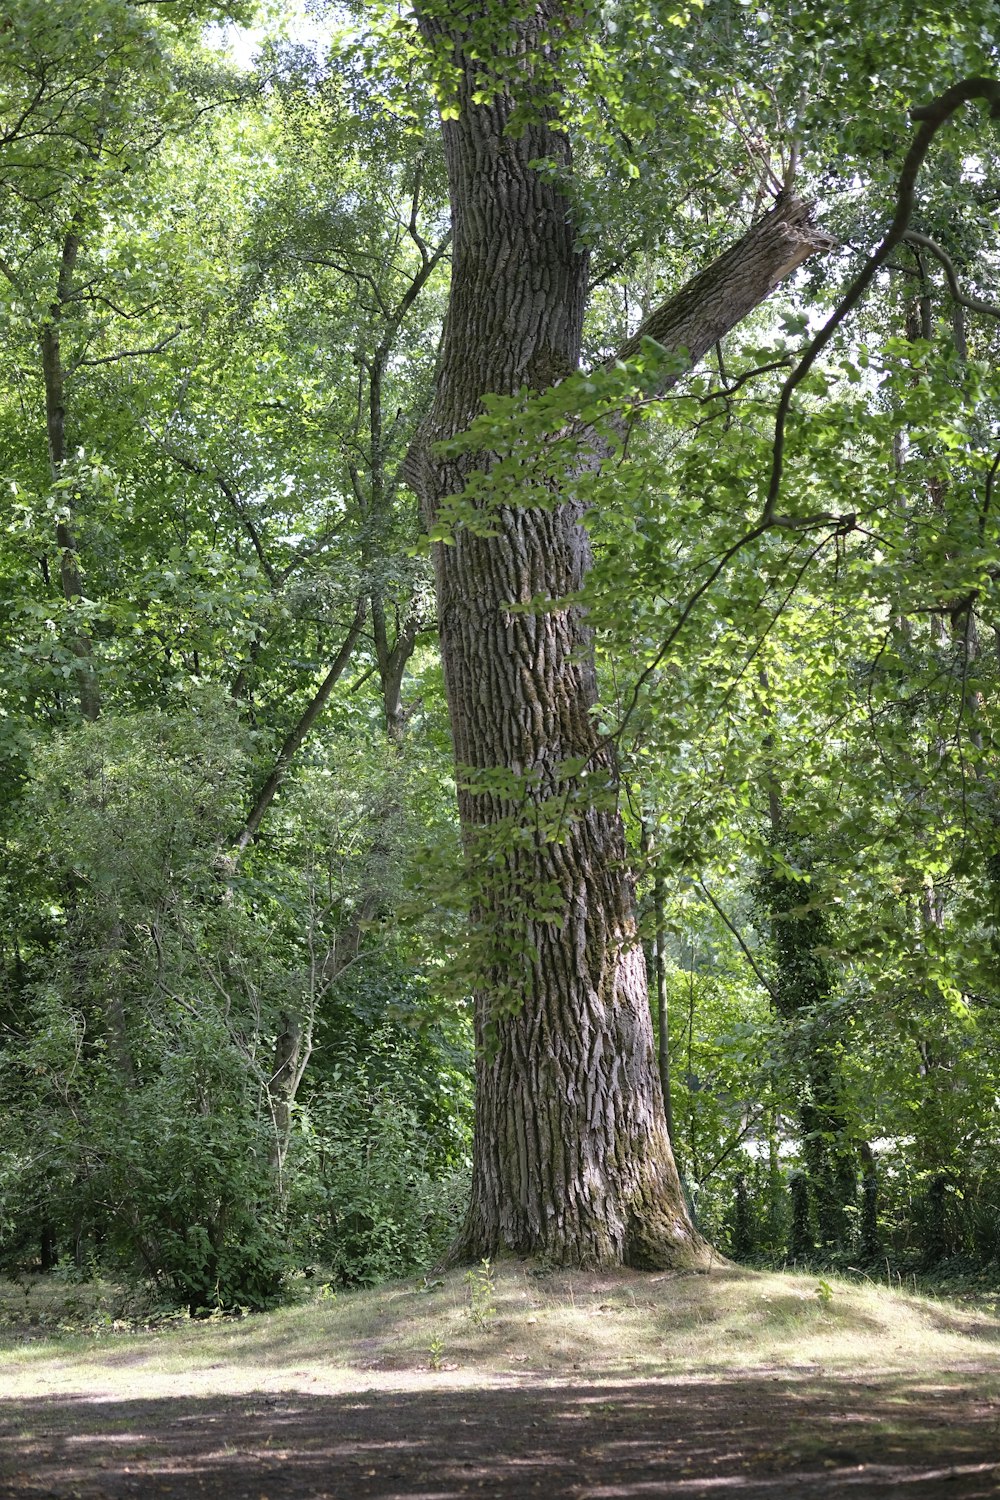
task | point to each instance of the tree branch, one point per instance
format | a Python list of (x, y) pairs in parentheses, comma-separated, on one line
[(740, 939), (722, 295), (295, 738), (112, 359), (972, 303), (930, 118), (190, 466)]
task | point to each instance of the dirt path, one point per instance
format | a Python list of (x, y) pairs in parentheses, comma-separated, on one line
[(746, 1436)]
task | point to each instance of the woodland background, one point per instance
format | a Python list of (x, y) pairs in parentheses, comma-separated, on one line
[(235, 1038)]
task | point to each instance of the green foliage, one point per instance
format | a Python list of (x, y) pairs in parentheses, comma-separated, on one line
[(248, 276), (139, 1102), (380, 1168), (184, 1163)]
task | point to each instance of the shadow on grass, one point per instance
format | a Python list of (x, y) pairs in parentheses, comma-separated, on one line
[(613, 1326), (597, 1440)]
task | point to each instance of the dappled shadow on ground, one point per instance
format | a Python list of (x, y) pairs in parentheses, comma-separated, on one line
[(754, 1436)]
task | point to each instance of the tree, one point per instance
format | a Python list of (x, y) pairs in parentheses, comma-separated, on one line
[(571, 1160)]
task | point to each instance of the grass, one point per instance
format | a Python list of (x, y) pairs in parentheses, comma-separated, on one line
[(57, 1339)]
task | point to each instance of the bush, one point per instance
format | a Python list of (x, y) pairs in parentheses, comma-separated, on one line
[(371, 1196), (187, 1193), (142, 1017)]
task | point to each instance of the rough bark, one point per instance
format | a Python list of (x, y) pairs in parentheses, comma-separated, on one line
[(662, 1003), (656, 975), (725, 292), (572, 1160)]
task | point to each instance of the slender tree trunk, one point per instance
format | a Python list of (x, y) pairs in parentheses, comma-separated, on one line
[(803, 990), (662, 1003), (292, 1050), (55, 424), (656, 971), (572, 1159), (392, 663)]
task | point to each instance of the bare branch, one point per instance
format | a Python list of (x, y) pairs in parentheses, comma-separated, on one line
[(722, 295), (296, 736), (973, 304), (720, 912), (112, 359), (930, 118)]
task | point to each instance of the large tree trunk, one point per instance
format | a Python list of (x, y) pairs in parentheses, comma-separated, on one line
[(572, 1160)]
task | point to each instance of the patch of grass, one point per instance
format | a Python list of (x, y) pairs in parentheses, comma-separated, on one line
[(542, 1325)]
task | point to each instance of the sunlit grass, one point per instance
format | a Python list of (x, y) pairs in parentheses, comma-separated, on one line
[(524, 1323)]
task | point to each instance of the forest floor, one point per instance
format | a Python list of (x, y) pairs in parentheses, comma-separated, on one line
[(511, 1383)]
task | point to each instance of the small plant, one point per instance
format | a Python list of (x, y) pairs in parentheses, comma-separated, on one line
[(435, 1351), (824, 1292), (481, 1293)]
